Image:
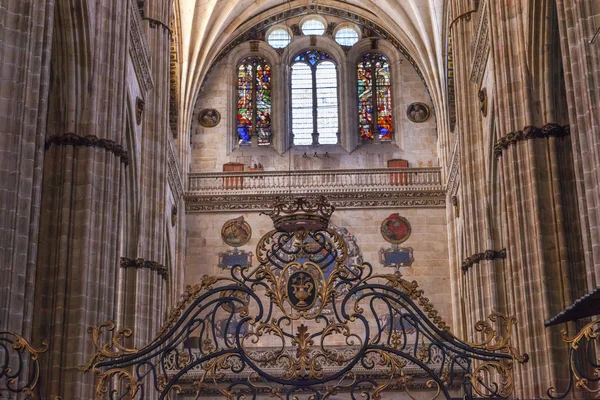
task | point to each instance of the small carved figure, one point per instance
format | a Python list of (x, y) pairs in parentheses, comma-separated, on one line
[(139, 109), (482, 95)]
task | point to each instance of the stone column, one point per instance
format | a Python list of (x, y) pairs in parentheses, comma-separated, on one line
[(578, 23), (535, 169), (146, 297), (78, 258), (26, 32)]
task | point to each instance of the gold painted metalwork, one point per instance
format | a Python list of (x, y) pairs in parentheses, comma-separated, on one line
[(302, 300), (584, 361), (13, 374)]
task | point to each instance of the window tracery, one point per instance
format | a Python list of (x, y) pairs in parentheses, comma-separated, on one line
[(314, 99), (254, 101), (374, 98)]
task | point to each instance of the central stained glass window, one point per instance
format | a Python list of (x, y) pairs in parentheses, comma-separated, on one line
[(254, 101), (374, 98), (314, 99)]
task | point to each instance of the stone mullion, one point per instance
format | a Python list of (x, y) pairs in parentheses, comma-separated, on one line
[(77, 269), (26, 31), (534, 255), (581, 61)]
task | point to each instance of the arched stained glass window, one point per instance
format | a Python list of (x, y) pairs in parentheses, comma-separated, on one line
[(374, 98), (314, 99), (254, 101)]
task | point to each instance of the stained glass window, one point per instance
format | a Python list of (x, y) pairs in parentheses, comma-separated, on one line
[(374, 98), (314, 99), (254, 101)]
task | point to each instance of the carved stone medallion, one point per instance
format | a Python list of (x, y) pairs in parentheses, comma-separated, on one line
[(395, 229), (236, 232), (418, 112), (209, 118), (301, 290)]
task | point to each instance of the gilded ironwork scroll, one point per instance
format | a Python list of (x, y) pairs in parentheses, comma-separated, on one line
[(19, 365), (306, 323), (584, 362)]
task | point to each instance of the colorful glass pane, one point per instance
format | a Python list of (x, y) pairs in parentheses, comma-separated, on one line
[(302, 104), (374, 98), (365, 99), (244, 117), (327, 103), (263, 104), (384, 101), (254, 101)]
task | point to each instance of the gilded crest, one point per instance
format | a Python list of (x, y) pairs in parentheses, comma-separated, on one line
[(395, 229), (301, 289)]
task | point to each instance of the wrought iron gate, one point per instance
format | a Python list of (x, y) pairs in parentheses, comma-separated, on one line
[(306, 322)]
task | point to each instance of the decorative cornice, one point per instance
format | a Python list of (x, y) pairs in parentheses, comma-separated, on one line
[(531, 132), (141, 263), (486, 255), (174, 177), (195, 203), (72, 139), (139, 51), (481, 45)]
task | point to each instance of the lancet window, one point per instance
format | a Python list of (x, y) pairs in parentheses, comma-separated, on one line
[(254, 102), (314, 95), (374, 98)]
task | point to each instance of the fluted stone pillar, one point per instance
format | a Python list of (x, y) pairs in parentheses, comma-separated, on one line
[(146, 297), (25, 43), (78, 258), (580, 44), (535, 172)]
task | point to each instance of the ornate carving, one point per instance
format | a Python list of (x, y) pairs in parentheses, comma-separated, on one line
[(483, 101), (530, 132), (254, 45), (72, 139), (141, 263), (487, 255), (174, 215), (17, 357), (139, 110), (481, 46), (351, 200), (330, 28), (140, 54), (174, 78), (174, 173)]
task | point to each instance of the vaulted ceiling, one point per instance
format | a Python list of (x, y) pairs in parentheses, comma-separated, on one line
[(206, 26)]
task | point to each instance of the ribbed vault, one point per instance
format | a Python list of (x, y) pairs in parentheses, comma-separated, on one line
[(206, 26)]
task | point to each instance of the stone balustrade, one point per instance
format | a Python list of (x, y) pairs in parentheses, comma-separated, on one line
[(349, 188)]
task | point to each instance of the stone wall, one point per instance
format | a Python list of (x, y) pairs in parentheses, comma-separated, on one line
[(428, 239), (213, 147)]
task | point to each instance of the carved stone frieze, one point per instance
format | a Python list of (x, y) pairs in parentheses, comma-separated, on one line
[(72, 139), (138, 50), (480, 47), (174, 77), (530, 132), (453, 176), (160, 269), (174, 177), (195, 203), (487, 255)]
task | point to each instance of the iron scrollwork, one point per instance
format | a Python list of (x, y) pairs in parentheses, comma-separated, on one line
[(19, 364), (306, 322), (584, 362)]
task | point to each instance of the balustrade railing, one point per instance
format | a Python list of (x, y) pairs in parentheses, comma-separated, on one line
[(348, 180)]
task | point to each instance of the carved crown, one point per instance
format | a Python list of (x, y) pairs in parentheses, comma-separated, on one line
[(312, 214)]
